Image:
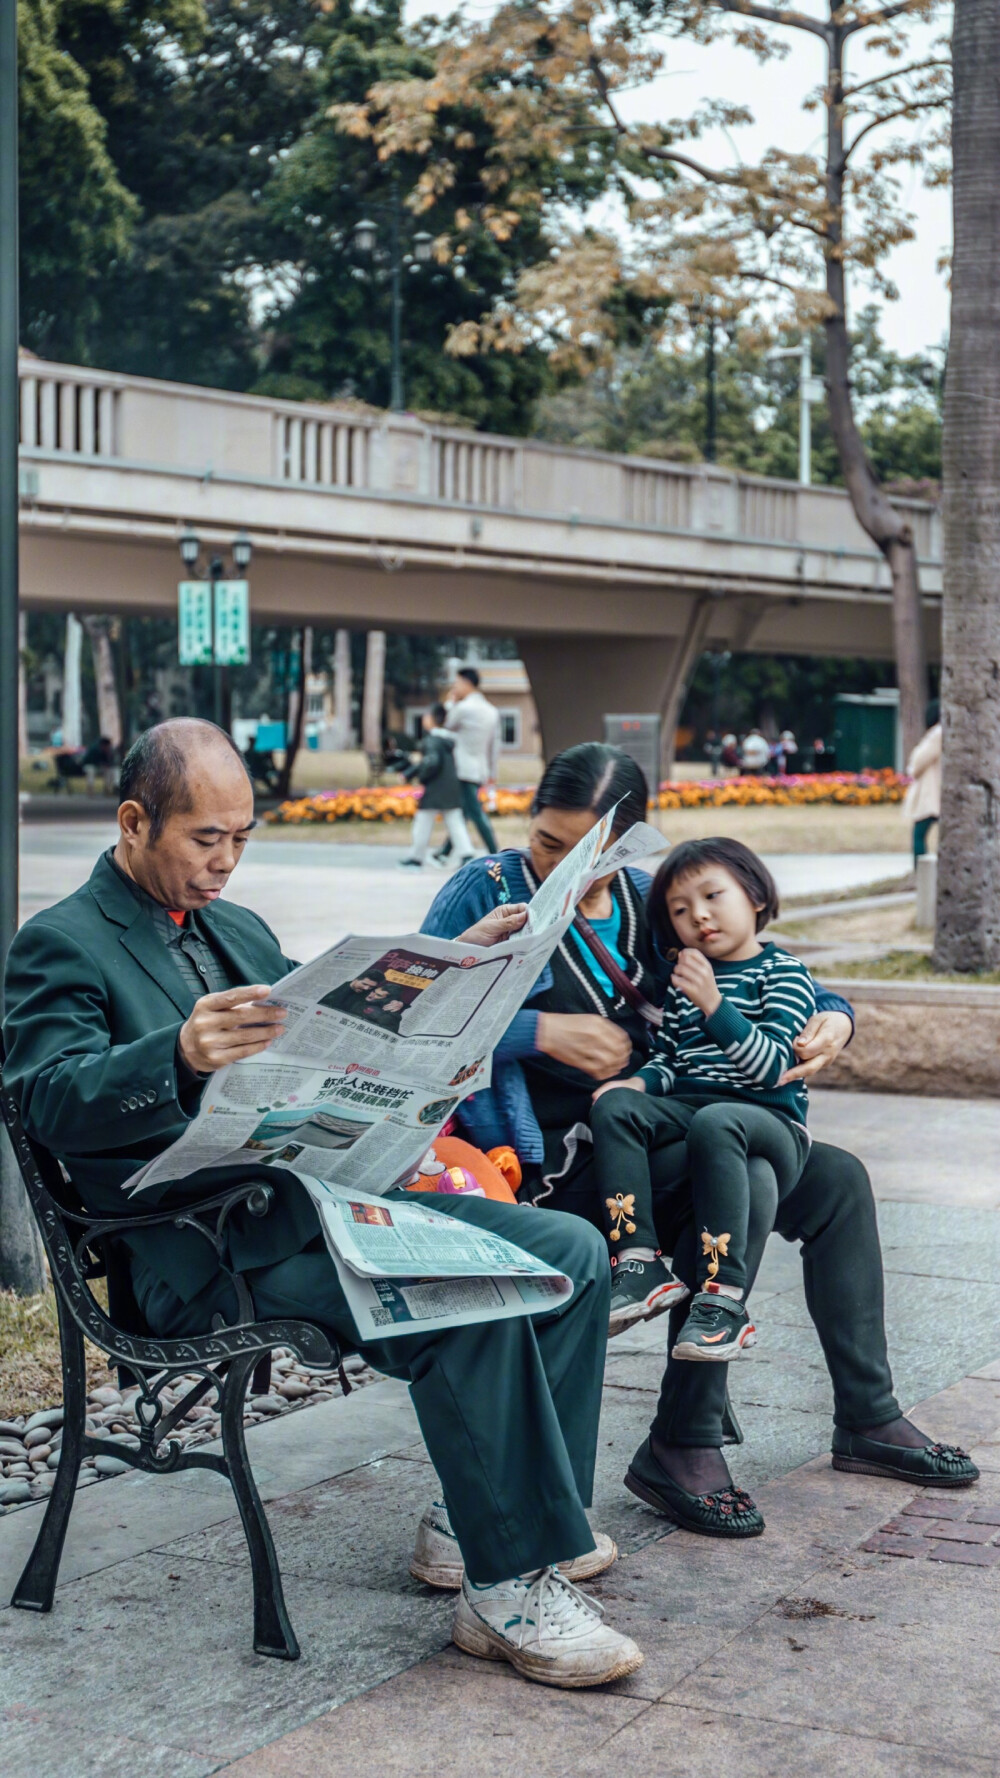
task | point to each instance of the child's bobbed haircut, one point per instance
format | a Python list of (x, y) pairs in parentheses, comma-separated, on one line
[(750, 872)]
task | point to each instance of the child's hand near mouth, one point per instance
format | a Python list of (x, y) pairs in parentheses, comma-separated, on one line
[(694, 976)]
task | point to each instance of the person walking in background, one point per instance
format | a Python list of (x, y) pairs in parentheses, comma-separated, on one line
[(434, 768), (922, 803), (476, 727)]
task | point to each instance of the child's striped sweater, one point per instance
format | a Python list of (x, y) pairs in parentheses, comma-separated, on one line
[(746, 1044)]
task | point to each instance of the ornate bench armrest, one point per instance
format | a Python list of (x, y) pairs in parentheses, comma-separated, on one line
[(207, 1217), (257, 1197)]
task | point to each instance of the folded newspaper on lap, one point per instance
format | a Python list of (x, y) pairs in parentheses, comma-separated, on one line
[(383, 1039), (404, 1266)]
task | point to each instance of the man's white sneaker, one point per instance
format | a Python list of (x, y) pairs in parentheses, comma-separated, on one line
[(546, 1628), (437, 1559)]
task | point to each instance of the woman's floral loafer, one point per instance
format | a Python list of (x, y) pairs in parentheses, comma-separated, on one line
[(928, 1466), (728, 1512)]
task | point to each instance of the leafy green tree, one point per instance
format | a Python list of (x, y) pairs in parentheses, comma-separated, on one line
[(214, 238), (328, 319), (202, 103), (784, 691), (654, 402), (76, 214)]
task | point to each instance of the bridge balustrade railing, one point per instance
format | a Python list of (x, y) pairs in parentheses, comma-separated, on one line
[(76, 411), (66, 409)]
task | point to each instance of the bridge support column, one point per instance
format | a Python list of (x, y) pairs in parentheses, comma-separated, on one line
[(577, 680)]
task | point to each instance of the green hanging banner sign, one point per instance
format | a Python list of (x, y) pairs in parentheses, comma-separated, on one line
[(219, 636), (194, 623), (232, 623)]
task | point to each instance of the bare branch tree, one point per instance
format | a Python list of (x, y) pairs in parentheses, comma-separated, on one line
[(781, 237)]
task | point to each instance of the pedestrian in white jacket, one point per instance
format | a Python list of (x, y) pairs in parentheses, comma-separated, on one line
[(476, 727), (922, 803)]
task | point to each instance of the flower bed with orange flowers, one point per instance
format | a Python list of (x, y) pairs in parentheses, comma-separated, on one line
[(859, 788), (400, 802)]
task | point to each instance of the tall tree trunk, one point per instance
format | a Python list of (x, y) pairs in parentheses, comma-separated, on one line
[(968, 909), (885, 526), (343, 691), (109, 715), (72, 703), (301, 653), (374, 693)]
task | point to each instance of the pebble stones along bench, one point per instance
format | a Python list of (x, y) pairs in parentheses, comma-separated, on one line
[(83, 1248)]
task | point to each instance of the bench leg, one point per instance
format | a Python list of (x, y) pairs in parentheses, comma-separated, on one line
[(36, 1588), (272, 1630)]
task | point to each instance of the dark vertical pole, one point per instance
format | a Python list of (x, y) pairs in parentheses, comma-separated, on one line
[(21, 1265), (9, 638), (710, 403), (396, 392), (215, 573)]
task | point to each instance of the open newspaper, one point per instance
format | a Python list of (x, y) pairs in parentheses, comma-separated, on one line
[(404, 1265), (383, 1039)]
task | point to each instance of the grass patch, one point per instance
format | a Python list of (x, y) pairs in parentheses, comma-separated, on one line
[(30, 1366), (912, 966)]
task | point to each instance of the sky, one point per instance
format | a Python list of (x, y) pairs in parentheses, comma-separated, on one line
[(773, 93)]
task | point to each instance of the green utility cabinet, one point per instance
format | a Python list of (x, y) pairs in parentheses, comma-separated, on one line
[(866, 731)]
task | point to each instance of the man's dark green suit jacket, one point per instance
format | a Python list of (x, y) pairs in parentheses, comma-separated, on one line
[(94, 1004)]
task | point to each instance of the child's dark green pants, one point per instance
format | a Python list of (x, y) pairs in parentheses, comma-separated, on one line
[(722, 1136)]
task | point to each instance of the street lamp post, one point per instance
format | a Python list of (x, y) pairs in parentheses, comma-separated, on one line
[(396, 385), (217, 572), (241, 551), (711, 406), (810, 389), (366, 235)]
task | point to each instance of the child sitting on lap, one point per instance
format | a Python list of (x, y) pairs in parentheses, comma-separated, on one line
[(733, 1010)]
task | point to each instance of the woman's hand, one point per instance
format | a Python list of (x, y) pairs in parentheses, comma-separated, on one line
[(612, 1086), (498, 924), (818, 1044), (584, 1040), (694, 976)]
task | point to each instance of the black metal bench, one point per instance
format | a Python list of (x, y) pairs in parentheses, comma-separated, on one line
[(81, 1248)]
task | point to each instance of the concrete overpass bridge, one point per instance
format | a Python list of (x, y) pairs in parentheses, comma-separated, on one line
[(613, 573)]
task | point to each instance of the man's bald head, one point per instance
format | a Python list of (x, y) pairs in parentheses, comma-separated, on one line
[(163, 769), (186, 812)]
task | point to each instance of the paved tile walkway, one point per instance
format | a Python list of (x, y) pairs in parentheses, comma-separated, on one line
[(803, 1650), (314, 892), (816, 1648)]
